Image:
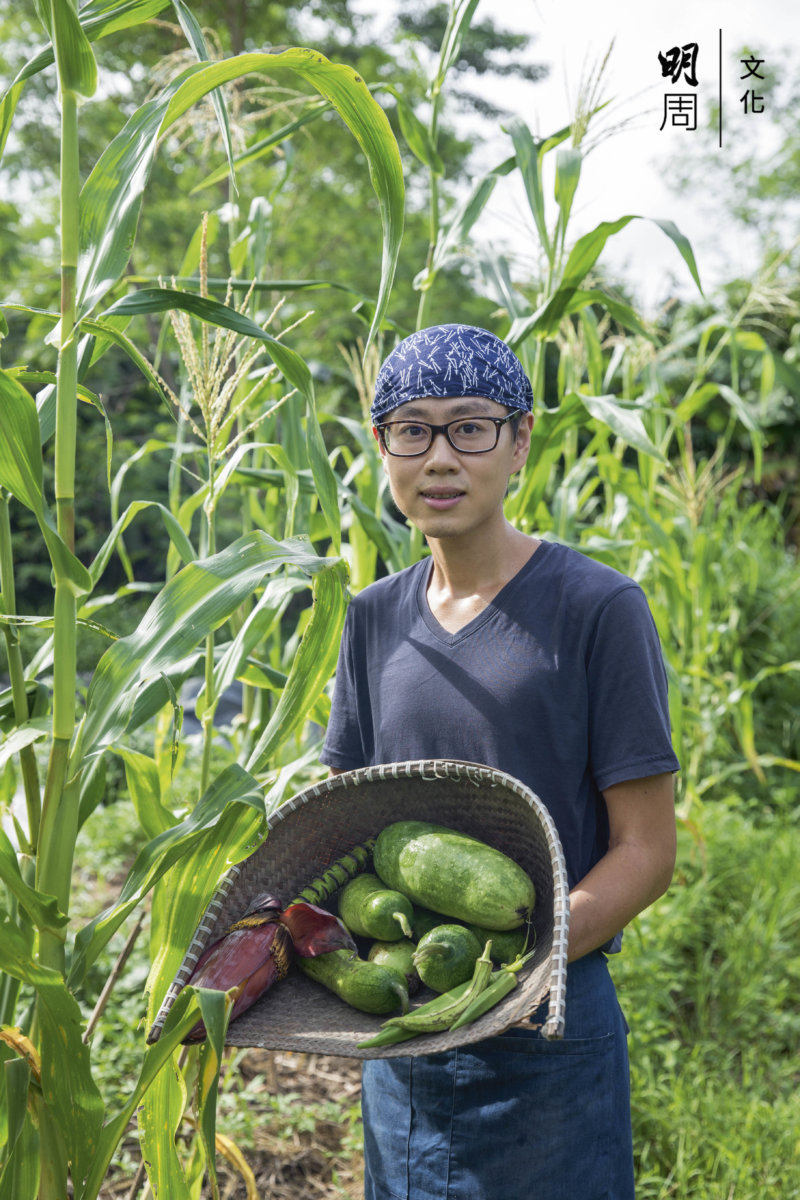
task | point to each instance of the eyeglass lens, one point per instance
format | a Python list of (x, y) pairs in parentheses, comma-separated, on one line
[(471, 435)]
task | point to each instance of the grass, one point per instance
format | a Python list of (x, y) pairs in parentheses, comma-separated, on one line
[(709, 979)]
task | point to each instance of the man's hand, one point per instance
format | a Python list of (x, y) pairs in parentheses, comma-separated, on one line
[(635, 870)]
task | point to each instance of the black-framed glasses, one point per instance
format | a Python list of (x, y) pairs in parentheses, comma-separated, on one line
[(467, 435)]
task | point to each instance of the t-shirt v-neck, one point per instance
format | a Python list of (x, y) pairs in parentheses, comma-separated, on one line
[(559, 682), (479, 620)]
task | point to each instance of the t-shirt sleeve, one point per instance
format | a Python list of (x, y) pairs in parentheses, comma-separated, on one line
[(629, 725), (343, 746)]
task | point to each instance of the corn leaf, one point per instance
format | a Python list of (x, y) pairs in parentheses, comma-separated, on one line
[(581, 259), (97, 20), (37, 695), (180, 549), (593, 350), (182, 896), (230, 1151), (786, 372), (568, 172), (529, 152), (456, 232), (46, 399), (19, 1177), (158, 692), (361, 113), (194, 36), (258, 285), (254, 630), (110, 333), (695, 400), (621, 312), (546, 447), (262, 675), (172, 526), (743, 413), (377, 530), (324, 478), (157, 300), (259, 149), (68, 1089), (77, 69), (111, 197), (416, 134), (21, 474), (461, 13), (231, 789), (20, 452), (183, 1016), (216, 1007), (195, 602), (144, 786), (623, 420), (160, 1117), (312, 666), (8, 106), (42, 910), (682, 244), (102, 17), (24, 735), (495, 271)]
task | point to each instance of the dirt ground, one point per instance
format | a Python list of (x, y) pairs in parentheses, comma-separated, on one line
[(315, 1164), (310, 1166)]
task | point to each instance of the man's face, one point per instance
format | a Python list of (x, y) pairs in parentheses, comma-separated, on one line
[(446, 493)]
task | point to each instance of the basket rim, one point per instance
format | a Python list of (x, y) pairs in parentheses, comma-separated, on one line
[(429, 769)]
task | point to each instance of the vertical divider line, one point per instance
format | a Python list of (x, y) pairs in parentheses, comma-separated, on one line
[(720, 89)]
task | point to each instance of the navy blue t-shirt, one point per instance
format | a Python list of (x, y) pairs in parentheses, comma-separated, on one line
[(559, 682)]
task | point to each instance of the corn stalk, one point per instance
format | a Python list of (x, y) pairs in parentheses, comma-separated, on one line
[(58, 1130)]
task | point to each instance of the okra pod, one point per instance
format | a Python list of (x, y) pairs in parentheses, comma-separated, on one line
[(387, 1037), (500, 984), (438, 1014)]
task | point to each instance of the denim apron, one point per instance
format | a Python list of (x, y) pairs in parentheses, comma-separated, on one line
[(513, 1117)]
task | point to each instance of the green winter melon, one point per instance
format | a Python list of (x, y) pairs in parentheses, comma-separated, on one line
[(454, 874)]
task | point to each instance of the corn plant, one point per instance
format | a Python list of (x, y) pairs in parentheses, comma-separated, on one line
[(53, 1113), (612, 467)]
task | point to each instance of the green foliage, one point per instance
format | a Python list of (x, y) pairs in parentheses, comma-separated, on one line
[(708, 978), (239, 592), (200, 518)]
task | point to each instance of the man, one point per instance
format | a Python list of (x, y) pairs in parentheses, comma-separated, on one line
[(522, 654)]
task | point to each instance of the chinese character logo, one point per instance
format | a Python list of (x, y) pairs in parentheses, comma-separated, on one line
[(681, 109), (751, 102), (680, 60)]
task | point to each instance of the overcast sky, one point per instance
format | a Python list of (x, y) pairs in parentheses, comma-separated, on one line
[(626, 174)]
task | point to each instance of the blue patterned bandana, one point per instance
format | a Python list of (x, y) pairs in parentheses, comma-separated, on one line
[(451, 360)]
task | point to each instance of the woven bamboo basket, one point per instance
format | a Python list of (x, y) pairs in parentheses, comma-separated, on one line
[(318, 826)]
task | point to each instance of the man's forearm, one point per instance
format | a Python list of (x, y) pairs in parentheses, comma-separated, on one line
[(636, 869), (610, 896)]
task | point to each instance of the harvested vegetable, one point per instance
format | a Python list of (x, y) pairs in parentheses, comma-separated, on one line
[(452, 873), (446, 956), (370, 909)]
